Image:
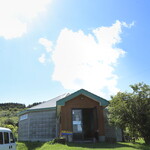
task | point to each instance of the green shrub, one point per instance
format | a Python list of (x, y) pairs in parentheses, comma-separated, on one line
[(59, 140)]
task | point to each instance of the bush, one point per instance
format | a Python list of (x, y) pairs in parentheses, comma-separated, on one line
[(110, 140), (59, 140)]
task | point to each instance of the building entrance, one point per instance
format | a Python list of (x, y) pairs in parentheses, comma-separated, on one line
[(84, 122)]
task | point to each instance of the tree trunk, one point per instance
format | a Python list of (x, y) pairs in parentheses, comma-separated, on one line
[(123, 140), (147, 140)]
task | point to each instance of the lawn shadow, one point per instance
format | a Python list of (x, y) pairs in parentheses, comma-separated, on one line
[(99, 145), (143, 146), (33, 145)]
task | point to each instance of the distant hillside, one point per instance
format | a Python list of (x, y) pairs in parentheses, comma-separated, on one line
[(34, 104), (7, 106), (9, 115)]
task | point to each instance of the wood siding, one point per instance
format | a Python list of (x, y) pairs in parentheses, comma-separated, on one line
[(80, 102)]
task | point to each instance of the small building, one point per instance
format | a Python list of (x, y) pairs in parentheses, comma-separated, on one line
[(78, 116)]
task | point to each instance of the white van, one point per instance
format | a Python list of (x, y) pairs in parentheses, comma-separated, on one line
[(7, 141)]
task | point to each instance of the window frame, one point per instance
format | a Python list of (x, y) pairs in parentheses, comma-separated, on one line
[(1, 136)]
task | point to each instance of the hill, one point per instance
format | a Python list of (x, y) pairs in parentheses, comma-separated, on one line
[(9, 115)]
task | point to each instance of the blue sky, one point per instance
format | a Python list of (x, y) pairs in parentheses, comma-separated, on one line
[(50, 47)]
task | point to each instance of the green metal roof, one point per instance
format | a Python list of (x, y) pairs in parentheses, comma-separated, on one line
[(102, 101)]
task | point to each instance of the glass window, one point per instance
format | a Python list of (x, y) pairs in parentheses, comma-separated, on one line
[(12, 140), (23, 117), (1, 138), (77, 120), (6, 137)]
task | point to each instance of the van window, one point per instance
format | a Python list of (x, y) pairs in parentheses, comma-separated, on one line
[(6, 137), (1, 138), (12, 140)]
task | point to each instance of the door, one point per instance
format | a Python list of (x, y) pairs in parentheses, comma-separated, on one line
[(12, 144), (77, 124), (7, 141), (88, 124), (84, 122)]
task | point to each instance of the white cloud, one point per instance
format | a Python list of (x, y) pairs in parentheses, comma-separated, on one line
[(46, 43), (88, 61), (128, 25), (15, 16), (42, 59)]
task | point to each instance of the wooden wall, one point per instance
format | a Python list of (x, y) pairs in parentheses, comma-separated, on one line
[(80, 101)]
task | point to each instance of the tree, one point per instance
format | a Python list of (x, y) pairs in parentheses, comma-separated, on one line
[(9, 121), (131, 111)]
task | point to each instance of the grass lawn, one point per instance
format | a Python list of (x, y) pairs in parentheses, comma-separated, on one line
[(82, 146)]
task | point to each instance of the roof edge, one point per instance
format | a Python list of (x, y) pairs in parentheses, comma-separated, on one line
[(32, 110), (102, 101)]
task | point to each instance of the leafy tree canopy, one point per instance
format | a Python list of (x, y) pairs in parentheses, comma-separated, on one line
[(131, 111)]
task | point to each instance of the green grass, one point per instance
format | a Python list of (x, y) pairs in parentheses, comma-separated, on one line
[(82, 146)]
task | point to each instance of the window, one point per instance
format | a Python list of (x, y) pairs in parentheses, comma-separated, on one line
[(1, 138), (6, 137), (23, 117), (77, 120), (12, 140)]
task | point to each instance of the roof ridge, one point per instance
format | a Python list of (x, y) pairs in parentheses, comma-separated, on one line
[(57, 97)]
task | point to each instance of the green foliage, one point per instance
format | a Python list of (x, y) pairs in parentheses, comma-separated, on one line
[(9, 121), (60, 140), (34, 104), (131, 111), (9, 115), (9, 106), (118, 106)]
